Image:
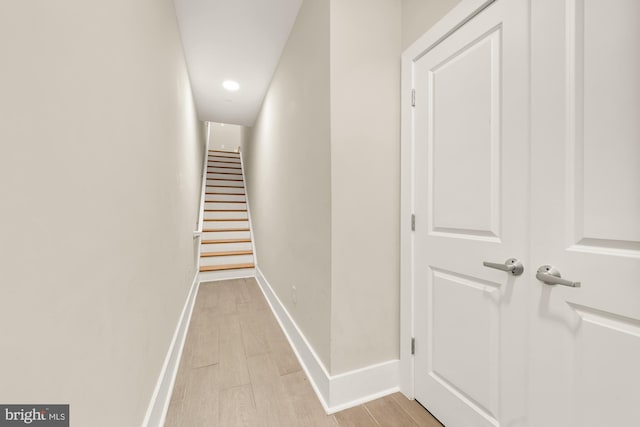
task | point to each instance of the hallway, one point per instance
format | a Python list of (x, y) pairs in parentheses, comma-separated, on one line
[(435, 197), (238, 369)]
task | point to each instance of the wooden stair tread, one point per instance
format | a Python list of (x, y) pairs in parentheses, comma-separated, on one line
[(223, 201), (225, 186), (223, 179), (204, 268), (226, 219), (225, 210), (227, 173), (215, 242), (224, 194), (229, 253), (217, 230), (222, 161)]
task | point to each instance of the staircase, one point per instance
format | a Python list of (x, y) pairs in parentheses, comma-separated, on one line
[(226, 250)]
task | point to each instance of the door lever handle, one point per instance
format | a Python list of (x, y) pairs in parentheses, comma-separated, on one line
[(551, 276), (512, 265)]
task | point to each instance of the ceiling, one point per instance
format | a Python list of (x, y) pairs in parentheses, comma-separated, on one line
[(238, 40)]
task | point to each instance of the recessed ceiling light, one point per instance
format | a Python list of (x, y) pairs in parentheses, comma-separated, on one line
[(230, 85)]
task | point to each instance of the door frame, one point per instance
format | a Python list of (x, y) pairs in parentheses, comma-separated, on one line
[(453, 20)]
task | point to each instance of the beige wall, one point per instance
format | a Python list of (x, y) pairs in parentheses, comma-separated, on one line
[(420, 15), (323, 170), (224, 136), (288, 171), (100, 162), (365, 176)]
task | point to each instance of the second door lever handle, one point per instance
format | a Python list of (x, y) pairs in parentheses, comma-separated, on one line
[(512, 265), (550, 275)]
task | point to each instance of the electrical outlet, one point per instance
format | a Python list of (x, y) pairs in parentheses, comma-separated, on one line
[(294, 296)]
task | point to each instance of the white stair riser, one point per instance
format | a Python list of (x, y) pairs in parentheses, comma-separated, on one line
[(223, 247), (231, 156), (224, 153), (230, 166), (225, 198), (225, 190), (222, 235), (211, 276), (225, 215), (225, 206), (211, 169), (223, 159), (228, 174), (228, 160), (224, 167), (226, 224), (227, 166), (226, 260), (214, 182), (224, 176)]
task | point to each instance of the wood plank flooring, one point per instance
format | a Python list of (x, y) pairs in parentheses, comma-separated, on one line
[(237, 369)]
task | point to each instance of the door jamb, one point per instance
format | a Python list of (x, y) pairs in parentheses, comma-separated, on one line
[(453, 20)]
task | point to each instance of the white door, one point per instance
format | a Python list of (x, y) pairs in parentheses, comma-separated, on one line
[(585, 342), (554, 182), (471, 142)]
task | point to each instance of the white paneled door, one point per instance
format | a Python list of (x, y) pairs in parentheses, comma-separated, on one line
[(472, 192), (585, 341), (527, 146)]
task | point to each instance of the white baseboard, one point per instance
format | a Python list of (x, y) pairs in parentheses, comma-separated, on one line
[(157, 410), (313, 367), (363, 385), (336, 392)]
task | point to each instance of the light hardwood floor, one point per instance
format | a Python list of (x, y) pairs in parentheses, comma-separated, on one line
[(238, 369)]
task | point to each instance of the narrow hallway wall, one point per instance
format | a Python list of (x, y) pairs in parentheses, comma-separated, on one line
[(420, 15), (365, 177), (323, 175), (224, 137), (100, 166), (288, 173)]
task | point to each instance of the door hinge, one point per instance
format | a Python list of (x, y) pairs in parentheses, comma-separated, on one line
[(413, 345), (413, 222), (413, 97)]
